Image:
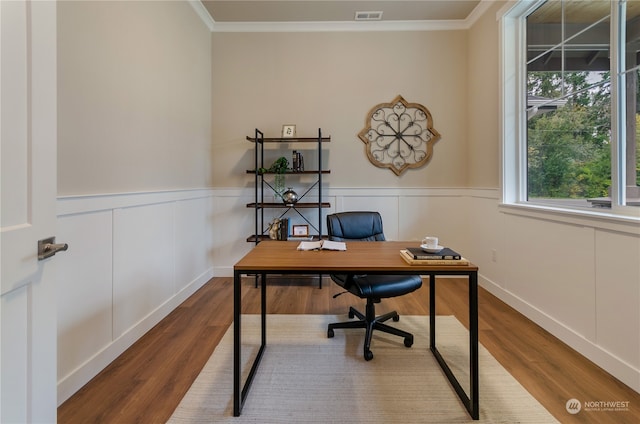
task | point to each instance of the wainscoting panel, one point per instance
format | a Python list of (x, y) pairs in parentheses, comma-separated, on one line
[(232, 223), (85, 302), (132, 259), (576, 277), (193, 243), (143, 262), (551, 265), (614, 253), (486, 236), (411, 214)]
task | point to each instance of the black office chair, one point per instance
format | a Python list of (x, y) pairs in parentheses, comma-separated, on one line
[(367, 226)]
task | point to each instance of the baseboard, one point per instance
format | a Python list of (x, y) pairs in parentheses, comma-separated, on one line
[(223, 271), (72, 382), (618, 368)]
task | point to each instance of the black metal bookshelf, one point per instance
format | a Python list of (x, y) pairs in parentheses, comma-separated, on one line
[(264, 183)]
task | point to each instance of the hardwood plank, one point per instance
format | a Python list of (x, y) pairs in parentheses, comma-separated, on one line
[(147, 382)]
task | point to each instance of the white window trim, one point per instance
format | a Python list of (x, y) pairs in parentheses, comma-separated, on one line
[(513, 156)]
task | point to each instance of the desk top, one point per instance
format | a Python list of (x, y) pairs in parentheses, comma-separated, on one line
[(360, 256)]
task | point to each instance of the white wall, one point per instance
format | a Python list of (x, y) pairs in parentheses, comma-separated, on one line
[(131, 260), (576, 277)]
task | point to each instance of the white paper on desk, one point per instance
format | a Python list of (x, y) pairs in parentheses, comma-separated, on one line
[(322, 245)]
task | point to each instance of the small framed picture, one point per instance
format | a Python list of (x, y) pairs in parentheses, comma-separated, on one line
[(300, 230), (288, 131)]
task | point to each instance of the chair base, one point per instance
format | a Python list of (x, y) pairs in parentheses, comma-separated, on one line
[(370, 322)]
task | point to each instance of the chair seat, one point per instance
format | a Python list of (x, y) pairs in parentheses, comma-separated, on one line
[(367, 226), (378, 286)]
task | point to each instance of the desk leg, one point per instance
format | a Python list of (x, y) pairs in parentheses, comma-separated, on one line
[(240, 392), (263, 309), (471, 402), (432, 311), (237, 306), (473, 343)]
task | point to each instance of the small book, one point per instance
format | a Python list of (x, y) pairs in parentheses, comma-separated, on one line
[(322, 245), (408, 258), (445, 253), (284, 229)]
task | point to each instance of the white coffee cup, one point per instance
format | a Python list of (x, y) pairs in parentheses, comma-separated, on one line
[(430, 242)]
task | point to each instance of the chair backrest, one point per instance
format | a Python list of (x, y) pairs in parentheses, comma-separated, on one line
[(363, 226)]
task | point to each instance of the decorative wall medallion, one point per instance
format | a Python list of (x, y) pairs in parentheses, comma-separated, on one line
[(399, 135)]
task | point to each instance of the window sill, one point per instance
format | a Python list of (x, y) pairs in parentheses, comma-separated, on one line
[(598, 218)]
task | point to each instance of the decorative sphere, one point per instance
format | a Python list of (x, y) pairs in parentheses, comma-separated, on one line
[(290, 196)]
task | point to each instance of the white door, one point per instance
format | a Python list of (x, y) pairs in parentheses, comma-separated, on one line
[(27, 210)]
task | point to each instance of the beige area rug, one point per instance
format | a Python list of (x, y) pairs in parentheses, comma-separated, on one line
[(305, 377)]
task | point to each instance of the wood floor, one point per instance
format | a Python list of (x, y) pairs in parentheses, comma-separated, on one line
[(146, 383)]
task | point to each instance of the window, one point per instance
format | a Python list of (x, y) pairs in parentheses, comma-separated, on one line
[(571, 105)]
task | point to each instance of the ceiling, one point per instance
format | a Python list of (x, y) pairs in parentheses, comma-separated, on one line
[(264, 11)]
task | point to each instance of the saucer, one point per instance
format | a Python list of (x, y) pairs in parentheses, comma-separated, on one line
[(431, 250)]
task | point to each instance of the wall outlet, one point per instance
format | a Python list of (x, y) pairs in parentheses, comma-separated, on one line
[(494, 255)]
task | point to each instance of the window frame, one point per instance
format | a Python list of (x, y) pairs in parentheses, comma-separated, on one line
[(513, 117)]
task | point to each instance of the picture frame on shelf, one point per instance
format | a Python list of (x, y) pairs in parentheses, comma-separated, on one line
[(288, 131), (300, 230)]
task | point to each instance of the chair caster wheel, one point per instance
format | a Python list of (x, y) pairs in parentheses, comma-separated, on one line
[(396, 318), (368, 355), (330, 333), (408, 341)]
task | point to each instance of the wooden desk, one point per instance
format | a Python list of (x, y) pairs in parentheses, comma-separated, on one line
[(281, 257)]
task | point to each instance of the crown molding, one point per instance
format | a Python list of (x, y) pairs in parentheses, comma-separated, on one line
[(203, 13), (478, 11), (341, 26)]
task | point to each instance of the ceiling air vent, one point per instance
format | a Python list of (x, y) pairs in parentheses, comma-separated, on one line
[(368, 16)]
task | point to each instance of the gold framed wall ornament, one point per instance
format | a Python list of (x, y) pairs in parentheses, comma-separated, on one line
[(399, 135)]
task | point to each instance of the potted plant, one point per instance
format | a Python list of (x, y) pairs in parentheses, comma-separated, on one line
[(279, 167)]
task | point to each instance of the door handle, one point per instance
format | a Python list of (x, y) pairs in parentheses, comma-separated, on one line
[(48, 247)]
